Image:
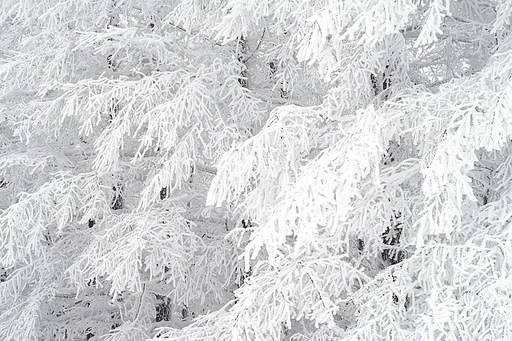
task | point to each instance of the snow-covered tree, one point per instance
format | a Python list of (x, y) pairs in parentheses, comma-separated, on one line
[(256, 170)]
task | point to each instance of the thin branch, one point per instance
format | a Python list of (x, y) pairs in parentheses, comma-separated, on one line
[(277, 100), (208, 169), (257, 47), (141, 298), (193, 34)]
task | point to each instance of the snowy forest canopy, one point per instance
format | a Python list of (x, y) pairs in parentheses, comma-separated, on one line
[(255, 170)]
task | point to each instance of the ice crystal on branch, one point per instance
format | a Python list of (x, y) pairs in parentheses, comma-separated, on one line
[(255, 170)]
